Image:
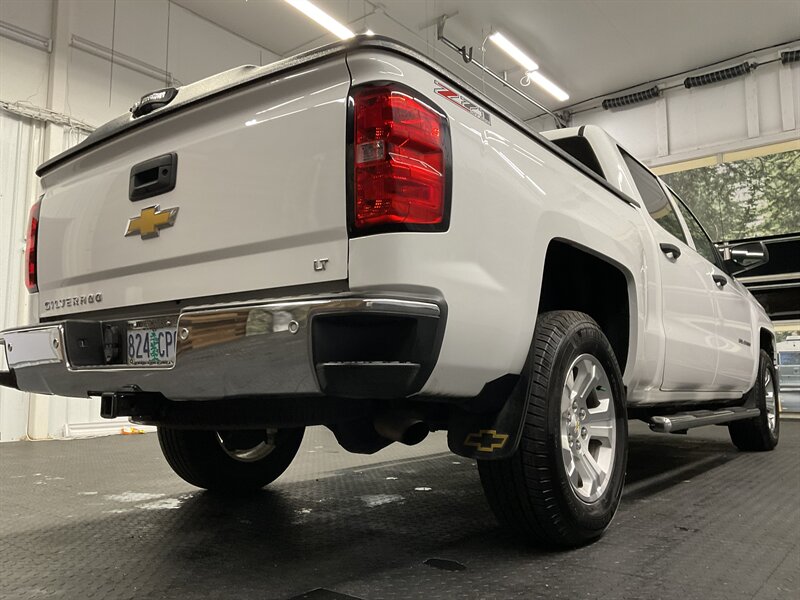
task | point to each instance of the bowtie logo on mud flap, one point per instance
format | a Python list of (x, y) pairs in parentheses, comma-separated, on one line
[(486, 440)]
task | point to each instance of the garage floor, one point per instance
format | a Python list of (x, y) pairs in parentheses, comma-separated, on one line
[(106, 518)]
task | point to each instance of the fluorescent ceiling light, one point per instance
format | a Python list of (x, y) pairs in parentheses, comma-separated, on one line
[(548, 86), (321, 17), (509, 48)]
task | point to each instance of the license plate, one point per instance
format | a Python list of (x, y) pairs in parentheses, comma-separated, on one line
[(151, 346)]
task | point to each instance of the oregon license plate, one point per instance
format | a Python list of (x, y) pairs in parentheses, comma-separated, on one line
[(151, 346)]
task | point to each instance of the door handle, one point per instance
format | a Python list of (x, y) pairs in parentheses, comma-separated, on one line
[(671, 251), (720, 280)]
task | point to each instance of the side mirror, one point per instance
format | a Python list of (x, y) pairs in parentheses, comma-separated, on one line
[(745, 256)]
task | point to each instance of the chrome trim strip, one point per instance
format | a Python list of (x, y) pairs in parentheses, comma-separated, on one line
[(684, 421), (777, 286), (769, 278), (330, 303)]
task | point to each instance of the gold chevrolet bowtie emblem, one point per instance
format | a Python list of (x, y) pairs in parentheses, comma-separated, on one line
[(486, 440), (150, 221)]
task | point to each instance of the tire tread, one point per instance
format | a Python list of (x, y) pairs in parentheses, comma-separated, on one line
[(753, 435), (521, 489)]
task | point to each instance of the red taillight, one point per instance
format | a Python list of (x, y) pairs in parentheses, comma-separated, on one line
[(31, 281), (400, 161)]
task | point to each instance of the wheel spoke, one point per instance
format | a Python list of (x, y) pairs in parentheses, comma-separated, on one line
[(569, 384), (566, 455), (572, 472), (591, 473), (600, 432), (599, 472), (587, 379), (602, 414)]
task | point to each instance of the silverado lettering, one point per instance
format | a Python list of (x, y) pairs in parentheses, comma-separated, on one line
[(73, 301)]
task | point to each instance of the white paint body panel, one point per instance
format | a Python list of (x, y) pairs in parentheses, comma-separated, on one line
[(511, 197), (736, 315), (260, 188), (690, 319), (261, 191)]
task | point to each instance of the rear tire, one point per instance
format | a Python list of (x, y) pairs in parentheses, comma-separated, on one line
[(762, 433), (229, 461), (563, 484)]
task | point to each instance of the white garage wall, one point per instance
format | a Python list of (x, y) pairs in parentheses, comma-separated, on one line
[(151, 38), (160, 34), (24, 69), (760, 108), (20, 147)]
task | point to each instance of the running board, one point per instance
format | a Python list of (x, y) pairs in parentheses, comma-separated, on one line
[(680, 422)]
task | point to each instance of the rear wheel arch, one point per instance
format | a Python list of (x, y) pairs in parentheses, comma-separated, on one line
[(614, 309)]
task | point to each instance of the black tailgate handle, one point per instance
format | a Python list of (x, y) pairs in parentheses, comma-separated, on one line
[(153, 177)]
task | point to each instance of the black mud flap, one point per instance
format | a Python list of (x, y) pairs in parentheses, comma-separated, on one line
[(490, 435)]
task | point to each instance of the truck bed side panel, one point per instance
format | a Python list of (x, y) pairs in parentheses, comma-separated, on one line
[(511, 197)]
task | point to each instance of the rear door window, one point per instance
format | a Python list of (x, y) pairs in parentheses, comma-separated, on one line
[(654, 198), (702, 243)]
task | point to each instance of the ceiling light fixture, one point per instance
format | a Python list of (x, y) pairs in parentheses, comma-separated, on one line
[(513, 51), (530, 66), (548, 86), (320, 16)]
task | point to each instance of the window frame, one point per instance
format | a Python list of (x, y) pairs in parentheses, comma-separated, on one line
[(661, 185), (680, 204)]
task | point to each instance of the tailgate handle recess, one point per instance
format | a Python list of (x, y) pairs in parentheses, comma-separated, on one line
[(153, 177)]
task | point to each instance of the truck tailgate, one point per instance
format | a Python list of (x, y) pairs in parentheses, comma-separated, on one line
[(260, 193)]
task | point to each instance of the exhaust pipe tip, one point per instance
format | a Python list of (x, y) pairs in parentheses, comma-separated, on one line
[(406, 429), (414, 433)]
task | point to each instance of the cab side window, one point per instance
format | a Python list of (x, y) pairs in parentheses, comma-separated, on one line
[(581, 150), (702, 243), (655, 200)]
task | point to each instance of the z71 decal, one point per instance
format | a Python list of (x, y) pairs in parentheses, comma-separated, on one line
[(461, 101)]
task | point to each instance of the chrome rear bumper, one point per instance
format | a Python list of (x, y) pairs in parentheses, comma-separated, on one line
[(249, 349)]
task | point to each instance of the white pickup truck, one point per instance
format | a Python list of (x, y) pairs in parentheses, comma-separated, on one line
[(353, 237)]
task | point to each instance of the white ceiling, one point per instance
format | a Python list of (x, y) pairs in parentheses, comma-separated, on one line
[(589, 47)]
